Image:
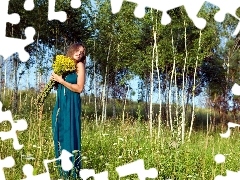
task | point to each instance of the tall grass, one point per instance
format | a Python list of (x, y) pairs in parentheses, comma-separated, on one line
[(113, 143)]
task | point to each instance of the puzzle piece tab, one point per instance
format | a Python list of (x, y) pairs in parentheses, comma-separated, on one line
[(19, 125), (29, 5), (66, 163), (226, 7), (228, 132), (138, 168), (164, 6), (8, 162), (220, 158), (192, 9), (60, 15), (28, 172), (9, 46), (66, 166), (87, 173)]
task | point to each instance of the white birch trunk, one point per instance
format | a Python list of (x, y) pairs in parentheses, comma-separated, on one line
[(151, 87), (95, 93), (183, 85), (159, 96), (5, 78), (169, 95), (194, 87), (104, 86), (124, 106)]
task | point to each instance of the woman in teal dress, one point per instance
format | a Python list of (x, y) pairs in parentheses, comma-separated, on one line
[(66, 116)]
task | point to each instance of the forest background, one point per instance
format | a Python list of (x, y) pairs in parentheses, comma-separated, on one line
[(184, 78)]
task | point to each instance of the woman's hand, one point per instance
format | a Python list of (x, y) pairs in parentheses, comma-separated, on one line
[(57, 78)]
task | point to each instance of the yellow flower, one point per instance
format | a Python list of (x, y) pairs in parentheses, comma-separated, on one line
[(61, 66)]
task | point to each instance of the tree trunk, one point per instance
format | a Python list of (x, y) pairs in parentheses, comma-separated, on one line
[(104, 86), (124, 106), (193, 89), (183, 87), (151, 84), (95, 93), (5, 78), (175, 126), (15, 85)]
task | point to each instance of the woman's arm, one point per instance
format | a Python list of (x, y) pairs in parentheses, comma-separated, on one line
[(80, 80)]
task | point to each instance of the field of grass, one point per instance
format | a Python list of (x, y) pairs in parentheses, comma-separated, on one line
[(113, 143)]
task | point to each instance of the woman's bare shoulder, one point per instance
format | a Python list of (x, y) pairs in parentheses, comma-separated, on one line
[(80, 67)]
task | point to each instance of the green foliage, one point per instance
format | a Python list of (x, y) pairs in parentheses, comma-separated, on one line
[(112, 144), (135, 111)]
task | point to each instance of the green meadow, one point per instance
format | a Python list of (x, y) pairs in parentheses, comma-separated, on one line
[(112, 143)]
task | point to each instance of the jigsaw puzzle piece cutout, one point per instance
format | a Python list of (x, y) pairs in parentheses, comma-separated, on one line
[(192, 10), (17, 45), (139, 11), (164, 6), (19, 125), (28, 172), (9, 46), (53, 15), (29, 5), (75, 4), (5, 17), (66, 166), (66, 163), (230, 175), (237, 29), (116, 5), (87, 173), (8, 162), (137, 167), (60, 15), (226, 7)]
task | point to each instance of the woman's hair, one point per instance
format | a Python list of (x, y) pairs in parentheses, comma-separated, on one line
[(73, 48)]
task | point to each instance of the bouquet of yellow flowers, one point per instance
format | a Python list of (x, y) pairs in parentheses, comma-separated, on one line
[(61, 66)]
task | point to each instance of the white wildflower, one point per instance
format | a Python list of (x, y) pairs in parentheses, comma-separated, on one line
[(120, 139), (84, 157)]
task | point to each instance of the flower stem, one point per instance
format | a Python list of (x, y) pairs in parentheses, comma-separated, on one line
[(43, 95)]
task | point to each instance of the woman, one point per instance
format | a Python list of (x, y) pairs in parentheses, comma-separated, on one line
[(66, 115)]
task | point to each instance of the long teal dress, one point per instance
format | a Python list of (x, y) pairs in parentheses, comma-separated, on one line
[(66, 125)]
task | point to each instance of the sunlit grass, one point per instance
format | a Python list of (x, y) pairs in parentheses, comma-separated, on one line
[(113, 143)]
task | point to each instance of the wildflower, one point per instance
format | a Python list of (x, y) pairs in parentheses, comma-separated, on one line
[(29, 158), (120, 139), (75, 151), (84, 157)]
